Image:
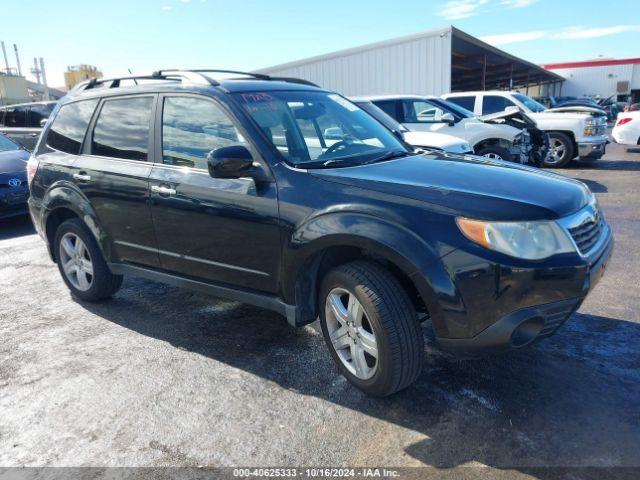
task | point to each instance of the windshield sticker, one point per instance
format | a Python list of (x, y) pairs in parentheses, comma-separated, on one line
[(344, 103), (256, 101)]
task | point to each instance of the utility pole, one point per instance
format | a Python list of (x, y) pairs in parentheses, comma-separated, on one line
[(45, 96), (6, 60), (15, 48)]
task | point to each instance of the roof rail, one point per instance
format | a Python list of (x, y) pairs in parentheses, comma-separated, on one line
[(259, 76), (197, 77), (168, 75)]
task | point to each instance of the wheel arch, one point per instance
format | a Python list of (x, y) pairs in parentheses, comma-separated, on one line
[(492, 142), (335, 239), (64, 202)]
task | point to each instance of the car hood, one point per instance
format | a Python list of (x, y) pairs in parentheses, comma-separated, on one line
[(577, 109), (13, 161), (503, 116), (450, 143), (470, 186)]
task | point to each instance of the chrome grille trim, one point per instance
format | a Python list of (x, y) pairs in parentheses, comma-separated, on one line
[(587, 229)]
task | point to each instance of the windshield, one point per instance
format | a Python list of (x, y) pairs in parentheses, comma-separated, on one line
[(454, 109), (7, 145), (318, 129), (381, 116), (530, 103)]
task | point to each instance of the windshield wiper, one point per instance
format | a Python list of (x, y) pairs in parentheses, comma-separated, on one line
[(390, 155)]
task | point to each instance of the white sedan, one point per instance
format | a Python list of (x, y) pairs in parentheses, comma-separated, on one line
[(627, 128)]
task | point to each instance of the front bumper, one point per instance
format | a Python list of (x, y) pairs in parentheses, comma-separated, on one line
[(530, 303), (592, 149)]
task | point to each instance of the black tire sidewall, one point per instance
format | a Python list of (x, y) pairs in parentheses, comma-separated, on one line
[(382, 378)]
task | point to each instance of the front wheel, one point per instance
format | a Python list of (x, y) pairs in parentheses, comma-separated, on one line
[(371, 328), (560, 150)]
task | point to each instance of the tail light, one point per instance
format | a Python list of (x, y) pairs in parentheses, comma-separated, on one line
[(622, 121), (32, 168)]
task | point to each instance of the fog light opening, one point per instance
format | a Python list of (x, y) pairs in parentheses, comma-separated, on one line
[(526, 332)]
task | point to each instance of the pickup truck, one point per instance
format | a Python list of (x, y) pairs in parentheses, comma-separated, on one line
[(576, 131)]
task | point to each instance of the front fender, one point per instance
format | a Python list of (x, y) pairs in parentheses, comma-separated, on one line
[(417, 259), (66, 195)]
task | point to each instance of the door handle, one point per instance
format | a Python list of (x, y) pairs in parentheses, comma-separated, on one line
[(82, 177), (34, 135), (163, 190)]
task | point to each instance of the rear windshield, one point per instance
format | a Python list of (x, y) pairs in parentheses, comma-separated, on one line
[(314, 129)]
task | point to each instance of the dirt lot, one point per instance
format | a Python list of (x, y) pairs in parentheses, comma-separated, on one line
[(160, 376)]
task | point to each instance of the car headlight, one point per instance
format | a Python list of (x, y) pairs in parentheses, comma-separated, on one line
[(591, 122), (527, 240)]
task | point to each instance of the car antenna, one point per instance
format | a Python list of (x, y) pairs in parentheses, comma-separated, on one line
[(131, 73)]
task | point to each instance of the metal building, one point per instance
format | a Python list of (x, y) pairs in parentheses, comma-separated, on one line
[(601, 77), (433, 62)]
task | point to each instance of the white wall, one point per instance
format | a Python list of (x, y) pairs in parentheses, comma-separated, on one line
[(601, 80), (419, 64)]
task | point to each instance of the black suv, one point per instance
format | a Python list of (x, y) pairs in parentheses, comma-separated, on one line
[(280, 194)]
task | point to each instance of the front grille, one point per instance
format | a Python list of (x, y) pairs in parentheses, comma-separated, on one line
[(587, 233)]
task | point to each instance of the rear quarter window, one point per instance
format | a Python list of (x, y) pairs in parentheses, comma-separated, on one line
[(70, 125)]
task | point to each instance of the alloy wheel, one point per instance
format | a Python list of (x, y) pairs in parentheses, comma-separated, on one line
[(557, 150), (351, 333), (76, 261)]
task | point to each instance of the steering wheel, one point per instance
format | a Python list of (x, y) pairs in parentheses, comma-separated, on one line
[(338, 145)]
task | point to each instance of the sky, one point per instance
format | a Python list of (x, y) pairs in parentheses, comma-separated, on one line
[(144, 35)]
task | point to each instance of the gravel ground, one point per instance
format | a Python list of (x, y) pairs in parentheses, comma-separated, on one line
[(159, 376)]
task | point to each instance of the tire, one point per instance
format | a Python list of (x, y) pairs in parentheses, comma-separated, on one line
[(388, 316), (496, 153), (81, 263), (561, 150)]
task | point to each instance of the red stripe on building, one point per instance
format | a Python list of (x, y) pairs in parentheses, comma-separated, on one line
[(591, 63)]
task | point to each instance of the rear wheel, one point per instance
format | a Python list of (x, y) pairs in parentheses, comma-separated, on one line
[(496, 153), (371, 328), (561, 150), (81, 264)]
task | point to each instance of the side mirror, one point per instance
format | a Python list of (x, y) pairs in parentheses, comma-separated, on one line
[(230, 162), (398, 134), (43, 122), (512, 109), (448, 119)]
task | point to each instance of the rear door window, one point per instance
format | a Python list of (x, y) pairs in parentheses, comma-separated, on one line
[(390, 107), (464, 102), (122, 129), (494, 104), (70, 125)]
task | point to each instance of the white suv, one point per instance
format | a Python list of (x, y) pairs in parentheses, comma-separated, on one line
[(573, 131), (494, 139)]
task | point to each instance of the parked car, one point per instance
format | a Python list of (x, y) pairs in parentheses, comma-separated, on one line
[(576, 131), (627, 128), (493, 139), (358, 231), (634, 107), (13, 178), (419, 139), (23, 122)]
